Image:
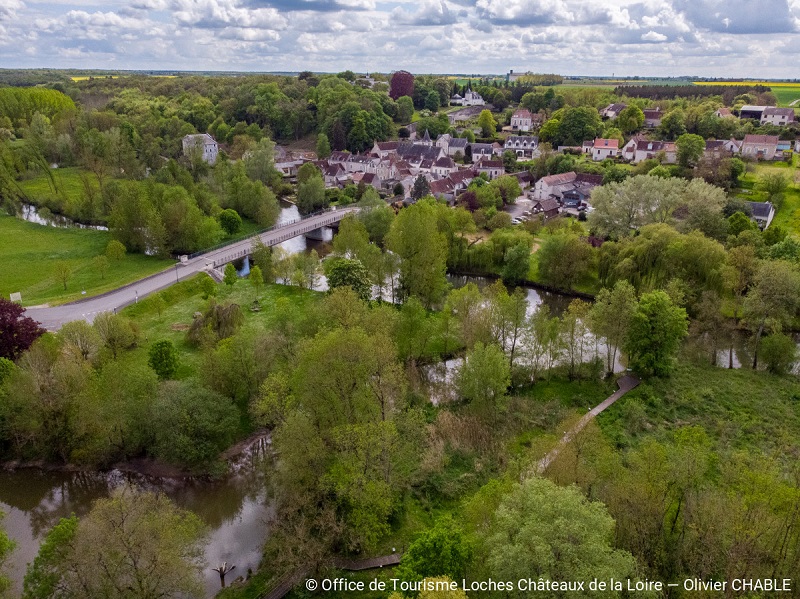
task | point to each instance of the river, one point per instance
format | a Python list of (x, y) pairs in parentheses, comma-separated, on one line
[(235, 508)]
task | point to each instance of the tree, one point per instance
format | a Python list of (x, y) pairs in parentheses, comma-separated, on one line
[(323, 146), (779, 352), (432, 101), (414, 237), (230, 221), (673, 124), (610, 318), (342, 272), (516, 263), (259, 162), (421, 188), (163, 358), (6, 547), (439, 551), (194, 424), (115, 331), (132, 544), (80, 339), (261, 256), (484, 378), (311, 194), (17, 332), (230, 276), (256, 280), (772, 300), (655, 333), (487, 123), (576, 125), (545, 532), (775, 184), (690, 149), (564, 259), (115, 250), (405, 109), (63, 272), (630, 119), (101, 264), (401, 84)]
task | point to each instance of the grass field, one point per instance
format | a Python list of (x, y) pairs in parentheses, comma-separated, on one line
[(785, 93), (69, 192), (29, 253), (788, 215)]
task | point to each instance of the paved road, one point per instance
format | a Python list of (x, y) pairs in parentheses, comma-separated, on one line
[(626, 383), (53, 318)]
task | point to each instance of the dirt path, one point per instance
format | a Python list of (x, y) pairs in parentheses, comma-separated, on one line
[(626, 383)]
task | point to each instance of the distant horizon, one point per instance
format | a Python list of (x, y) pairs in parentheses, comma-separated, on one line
[(604, 38), (295, 72)]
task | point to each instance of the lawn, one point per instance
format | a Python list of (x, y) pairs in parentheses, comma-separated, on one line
[(30, 252), (788, 215), (68, 195), (740, 409), (182, 300), (785, 93)]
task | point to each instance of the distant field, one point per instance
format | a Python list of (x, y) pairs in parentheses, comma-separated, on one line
[(29, 254), (785, 92), (87, 77)]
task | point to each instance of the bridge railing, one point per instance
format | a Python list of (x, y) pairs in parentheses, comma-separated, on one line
[(281, 238), (241, 238)]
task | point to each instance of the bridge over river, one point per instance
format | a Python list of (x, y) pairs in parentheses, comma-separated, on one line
[(53, 317)]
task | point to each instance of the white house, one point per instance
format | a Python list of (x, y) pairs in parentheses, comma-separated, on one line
[(204, 143), (470, 98), (777, 116), (605, 148), (522, 120), (524, 146)]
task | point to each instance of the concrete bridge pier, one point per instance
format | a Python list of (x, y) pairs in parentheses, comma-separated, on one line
[(318, 234)]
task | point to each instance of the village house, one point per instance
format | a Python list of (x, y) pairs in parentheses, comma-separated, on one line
[(470, 98), (522, 120), (461, 179), (443, 166), (723, 113), (716, 148), (524, 146), (577, 187), (604, 148), (612, 111), (443, 189), (548, 208), (779, 117), (762, 213), (367, 179), (480, 151), (203, 144), (383, 149), (652, 117), (760, 147), (644, 150), (457, 145), (492, 168)]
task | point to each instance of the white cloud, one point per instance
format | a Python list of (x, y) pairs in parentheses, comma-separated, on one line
[(653, 36)]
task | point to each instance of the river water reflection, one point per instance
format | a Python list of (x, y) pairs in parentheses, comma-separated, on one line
[(235, 508)]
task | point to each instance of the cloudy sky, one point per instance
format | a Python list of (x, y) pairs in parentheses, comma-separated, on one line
[(723, 38)]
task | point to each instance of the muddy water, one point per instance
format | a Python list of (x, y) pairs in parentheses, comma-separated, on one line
[(235, 508)]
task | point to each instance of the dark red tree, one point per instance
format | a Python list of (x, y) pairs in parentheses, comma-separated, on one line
[(17, 332), (469, 199), (402, 85)]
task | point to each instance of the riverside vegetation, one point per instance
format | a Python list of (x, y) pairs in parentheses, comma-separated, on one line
[(692, 474)]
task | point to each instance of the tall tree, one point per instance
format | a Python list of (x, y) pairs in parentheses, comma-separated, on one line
[(655, 334), (17, 332), (414, 236), (134, 544), (541, 531), (610, 318)]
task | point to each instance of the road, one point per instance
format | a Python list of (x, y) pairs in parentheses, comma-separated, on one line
[(53, 317)]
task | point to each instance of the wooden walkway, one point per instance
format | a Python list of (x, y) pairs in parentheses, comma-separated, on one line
[(625, 384)]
